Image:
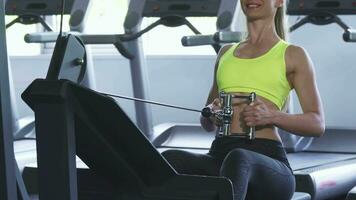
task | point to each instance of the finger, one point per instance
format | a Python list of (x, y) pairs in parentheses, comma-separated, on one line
[(250, 114), (216, 108), (249, 119), (257, 100), (251, 124), (217, 103), (253, 103), (256, 103), (258, 107), (257, 121), (248, 108)]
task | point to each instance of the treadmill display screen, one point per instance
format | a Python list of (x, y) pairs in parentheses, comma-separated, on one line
[(306, 7), (186, 8), (38, 7)]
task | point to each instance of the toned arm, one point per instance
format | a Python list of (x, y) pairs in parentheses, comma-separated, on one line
[(213, 94), (311, 122)]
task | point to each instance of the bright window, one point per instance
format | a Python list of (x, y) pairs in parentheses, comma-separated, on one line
[(16, 44), (167, 41), (107, 17)]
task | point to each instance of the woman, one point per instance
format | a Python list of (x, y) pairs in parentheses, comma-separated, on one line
[(267, 65)]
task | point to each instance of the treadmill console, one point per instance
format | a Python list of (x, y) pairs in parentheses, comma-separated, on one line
[(306, 7), (184, 8), (37, 7)]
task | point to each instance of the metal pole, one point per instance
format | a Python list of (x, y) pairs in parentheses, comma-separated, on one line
[(139, 74), (8, 189), (77, 24)]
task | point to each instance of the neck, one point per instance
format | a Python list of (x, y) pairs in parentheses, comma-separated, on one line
[(261, 31)]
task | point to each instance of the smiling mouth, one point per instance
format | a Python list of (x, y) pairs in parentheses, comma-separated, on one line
[(252, 5)]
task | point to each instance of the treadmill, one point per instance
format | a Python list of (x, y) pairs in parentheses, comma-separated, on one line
[(322, 168), (224, 10)]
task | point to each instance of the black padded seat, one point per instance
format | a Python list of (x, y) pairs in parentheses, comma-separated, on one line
[(301, 196), (352, 194), (87, 181), (25, 152)]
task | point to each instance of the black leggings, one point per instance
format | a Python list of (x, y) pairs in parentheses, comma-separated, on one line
[(258, 170)]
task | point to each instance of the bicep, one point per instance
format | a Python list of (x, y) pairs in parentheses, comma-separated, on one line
[(213, 94), (304, 82)]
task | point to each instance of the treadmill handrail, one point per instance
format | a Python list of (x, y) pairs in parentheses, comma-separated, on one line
[(114, 39), (86, 38), (350, 35), (217, 38)]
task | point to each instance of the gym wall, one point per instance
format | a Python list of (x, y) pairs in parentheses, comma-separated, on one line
[(186, 80)]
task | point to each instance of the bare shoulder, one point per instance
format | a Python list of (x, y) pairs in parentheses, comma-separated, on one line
[(296, 51), (297, 57), (224, 49)]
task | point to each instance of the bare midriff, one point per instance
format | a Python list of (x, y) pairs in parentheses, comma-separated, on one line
[(238, 124)]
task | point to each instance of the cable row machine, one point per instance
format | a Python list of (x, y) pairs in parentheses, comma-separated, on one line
[(34, 12), (106, 190), (123, 173), (96, 126)]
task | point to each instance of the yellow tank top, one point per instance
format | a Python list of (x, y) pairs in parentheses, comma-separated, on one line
[(265, 75)]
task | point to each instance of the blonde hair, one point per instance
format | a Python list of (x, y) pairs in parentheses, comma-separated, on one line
[(281, 26), (280, 22)]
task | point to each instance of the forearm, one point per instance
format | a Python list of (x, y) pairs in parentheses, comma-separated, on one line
[(308, 124)]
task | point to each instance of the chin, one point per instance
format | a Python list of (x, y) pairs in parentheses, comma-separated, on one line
[(255, 17)]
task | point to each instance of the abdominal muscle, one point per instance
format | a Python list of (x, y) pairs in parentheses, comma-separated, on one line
[(238, 124)]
